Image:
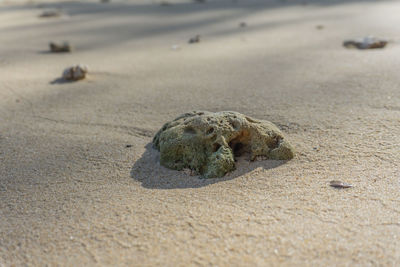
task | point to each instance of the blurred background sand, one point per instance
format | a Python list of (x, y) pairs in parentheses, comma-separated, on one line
[(72, 193)]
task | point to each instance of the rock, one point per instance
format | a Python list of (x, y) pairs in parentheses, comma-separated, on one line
[(75, 73), (62, 47), (50, 14), (195, 39), (242, 24), (208, 143), (339, 184), (319, 27), (365, 43)]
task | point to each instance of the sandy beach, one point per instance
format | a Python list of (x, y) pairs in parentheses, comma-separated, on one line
[(81, 185)]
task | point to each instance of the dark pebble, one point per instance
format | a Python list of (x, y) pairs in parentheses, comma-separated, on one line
[(340, 184)]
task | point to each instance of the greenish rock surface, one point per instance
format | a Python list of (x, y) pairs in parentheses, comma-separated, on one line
[(208, 142)]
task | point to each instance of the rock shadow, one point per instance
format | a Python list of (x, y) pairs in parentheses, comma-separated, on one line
[(48, 52), (45, 52), (152, 175), (60, 81)]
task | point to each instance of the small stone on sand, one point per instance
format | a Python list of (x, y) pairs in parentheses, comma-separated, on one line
[(320, 27), (195, 39), (50, 14), (242, 24), (368, 42), (339, 184), (75, 73), (208, 142), (60, 47)]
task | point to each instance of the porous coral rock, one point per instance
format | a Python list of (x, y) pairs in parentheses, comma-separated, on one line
[(208, 143)]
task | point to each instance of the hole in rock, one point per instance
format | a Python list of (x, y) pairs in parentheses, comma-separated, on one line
[(240, 144), (216, 146), (210, 131), (237, 148), (276, 142)]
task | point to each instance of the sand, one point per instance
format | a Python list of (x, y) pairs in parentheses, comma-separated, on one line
[(73, 194)]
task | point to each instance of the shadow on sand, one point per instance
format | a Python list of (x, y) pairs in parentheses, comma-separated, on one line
[(60, 81), (152, 175), (48, 52), (45, 52)]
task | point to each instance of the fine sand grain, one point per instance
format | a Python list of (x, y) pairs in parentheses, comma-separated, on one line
[(81, 185)]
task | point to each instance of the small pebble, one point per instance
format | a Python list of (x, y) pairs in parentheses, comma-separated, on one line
[(57, 48), (127, 146), (195, 39), (319, 27), (340, 184), (50, 14), (75, 73), (368, 42), (242, 24)]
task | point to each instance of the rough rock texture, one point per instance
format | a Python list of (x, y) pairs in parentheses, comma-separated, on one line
[(60, 47), (75, 73), (368, 42), (208, 142)]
